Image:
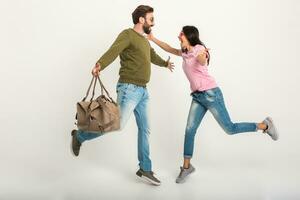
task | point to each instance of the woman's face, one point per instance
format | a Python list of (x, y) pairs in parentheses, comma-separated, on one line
[(184, 43)]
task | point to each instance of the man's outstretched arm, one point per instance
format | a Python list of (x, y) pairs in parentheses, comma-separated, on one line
[(121, 43), (157, 60)]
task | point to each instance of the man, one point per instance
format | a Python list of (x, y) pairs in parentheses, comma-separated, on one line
[(136, 56)]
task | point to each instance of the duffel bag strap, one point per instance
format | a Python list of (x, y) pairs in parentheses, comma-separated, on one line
[(103, 88)]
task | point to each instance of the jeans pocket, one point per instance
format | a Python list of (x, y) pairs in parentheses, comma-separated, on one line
[(132, 87), (121, 87), (210, 95)]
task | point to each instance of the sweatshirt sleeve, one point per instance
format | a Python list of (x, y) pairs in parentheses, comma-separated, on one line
[(157, 60), (121, 43)]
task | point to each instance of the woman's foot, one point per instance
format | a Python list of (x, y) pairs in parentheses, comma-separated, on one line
[(184, 173), (271, 129)]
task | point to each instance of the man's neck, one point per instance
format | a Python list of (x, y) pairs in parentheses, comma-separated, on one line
[(139, 29)]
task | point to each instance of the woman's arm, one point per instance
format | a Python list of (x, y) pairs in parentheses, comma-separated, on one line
[(164, 45), (202, 57)]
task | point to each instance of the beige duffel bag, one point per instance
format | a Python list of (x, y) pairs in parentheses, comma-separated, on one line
[(100, 115)]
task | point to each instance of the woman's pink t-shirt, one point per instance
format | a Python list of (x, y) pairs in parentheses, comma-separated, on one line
[(196, 73)]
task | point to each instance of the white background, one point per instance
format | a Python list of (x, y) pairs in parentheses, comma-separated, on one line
[(48, 49)]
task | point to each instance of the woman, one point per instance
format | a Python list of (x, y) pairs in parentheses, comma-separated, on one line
[(206, 95)]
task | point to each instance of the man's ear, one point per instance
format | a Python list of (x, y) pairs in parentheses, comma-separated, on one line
[(142, 20)]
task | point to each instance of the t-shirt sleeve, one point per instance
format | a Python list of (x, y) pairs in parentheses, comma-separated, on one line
[(197, 49)]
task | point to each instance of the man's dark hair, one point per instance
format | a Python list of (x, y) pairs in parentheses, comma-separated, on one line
[(141, 11)]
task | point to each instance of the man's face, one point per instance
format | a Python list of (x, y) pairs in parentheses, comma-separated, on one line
[(148, 23)]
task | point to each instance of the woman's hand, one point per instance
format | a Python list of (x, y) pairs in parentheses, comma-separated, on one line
[(202, 56), (150, 36)]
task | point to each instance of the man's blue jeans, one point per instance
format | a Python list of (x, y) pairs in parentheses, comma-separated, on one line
[(213, 101), (131, 98)]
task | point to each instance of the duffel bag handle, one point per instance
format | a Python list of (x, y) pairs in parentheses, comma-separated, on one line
[(94, 80), (88, 91), (103, 88)]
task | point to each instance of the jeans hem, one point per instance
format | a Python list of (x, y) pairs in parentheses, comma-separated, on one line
[(146, 169), (185, 156), (79, 137)]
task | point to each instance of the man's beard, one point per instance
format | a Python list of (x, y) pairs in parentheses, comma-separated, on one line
[(147, 29)]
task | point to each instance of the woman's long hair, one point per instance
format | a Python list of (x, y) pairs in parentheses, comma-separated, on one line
[(192, 35)]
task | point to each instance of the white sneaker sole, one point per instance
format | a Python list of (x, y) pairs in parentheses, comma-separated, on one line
[(148, 180), (276, 135)]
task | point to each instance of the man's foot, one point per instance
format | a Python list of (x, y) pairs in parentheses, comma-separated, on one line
[(184, 173), (148, 176), (271, 129), (75, 144)]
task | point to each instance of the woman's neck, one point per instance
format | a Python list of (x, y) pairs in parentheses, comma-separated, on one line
[(189, 47)]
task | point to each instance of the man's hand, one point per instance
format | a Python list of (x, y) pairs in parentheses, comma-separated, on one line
[(170, 65), (96, 70)]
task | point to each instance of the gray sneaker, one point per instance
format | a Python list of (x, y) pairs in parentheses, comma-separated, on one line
[(271, 130), (148, 176), (184, 173)]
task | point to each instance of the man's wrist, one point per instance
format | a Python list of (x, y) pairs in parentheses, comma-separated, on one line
[(166, 63), (98, 65)]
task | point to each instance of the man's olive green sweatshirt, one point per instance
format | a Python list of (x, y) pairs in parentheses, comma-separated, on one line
[(136, 56)]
